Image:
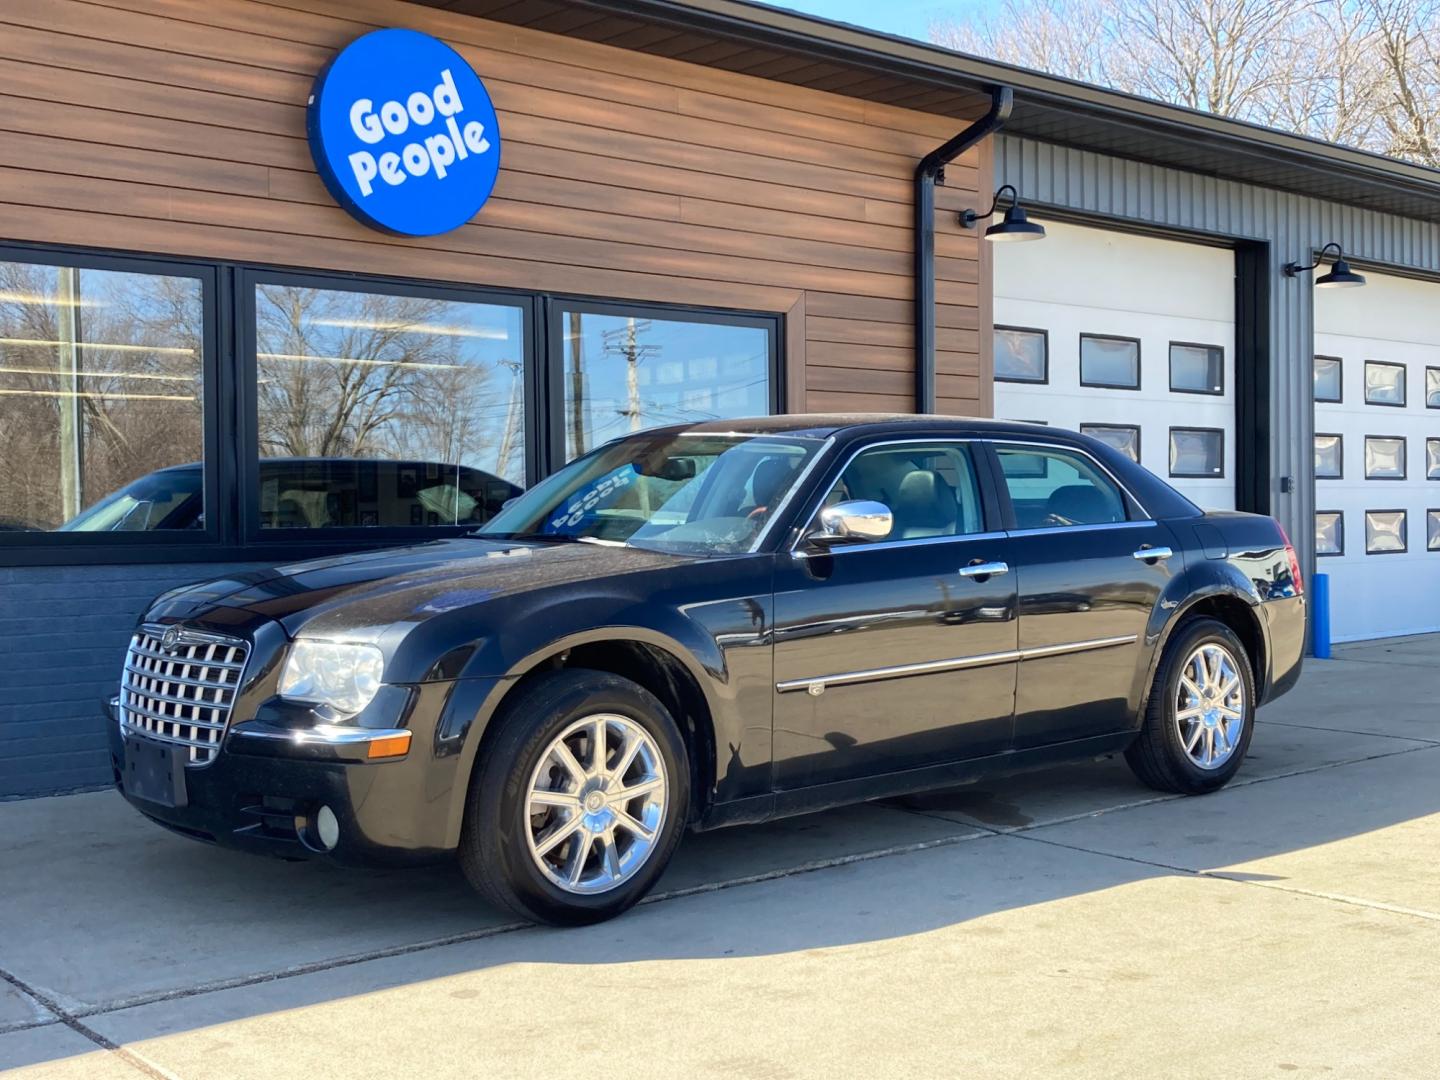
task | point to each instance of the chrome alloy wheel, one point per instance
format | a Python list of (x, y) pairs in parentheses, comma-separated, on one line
[(596, 804), (1210, 705)]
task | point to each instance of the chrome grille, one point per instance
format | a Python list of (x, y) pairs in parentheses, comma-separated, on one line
[(181, 694)]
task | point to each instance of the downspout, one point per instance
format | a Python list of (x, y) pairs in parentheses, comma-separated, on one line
[(928, 173)]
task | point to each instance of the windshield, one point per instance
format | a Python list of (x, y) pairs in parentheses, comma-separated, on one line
[(169, 499), (700, 493)]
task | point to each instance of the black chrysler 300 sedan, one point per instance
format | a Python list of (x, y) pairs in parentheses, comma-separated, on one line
[(704, 625)]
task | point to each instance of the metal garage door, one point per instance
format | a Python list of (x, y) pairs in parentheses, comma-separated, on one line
[(1128, 338), (1377, 455)]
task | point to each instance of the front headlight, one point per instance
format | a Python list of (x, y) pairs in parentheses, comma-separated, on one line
[(345, 677)]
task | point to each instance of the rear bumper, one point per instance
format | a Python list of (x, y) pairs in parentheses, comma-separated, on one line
[(1285, 633)]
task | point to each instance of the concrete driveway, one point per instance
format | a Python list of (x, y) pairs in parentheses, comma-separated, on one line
[(1068, 922)]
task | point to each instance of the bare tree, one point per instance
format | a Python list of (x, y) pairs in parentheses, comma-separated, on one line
[(1361, 72)]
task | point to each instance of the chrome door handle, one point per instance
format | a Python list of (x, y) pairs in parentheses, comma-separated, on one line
[(1147, 553), (985, 569)]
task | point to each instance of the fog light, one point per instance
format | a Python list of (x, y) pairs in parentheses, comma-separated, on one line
[(327, 828)]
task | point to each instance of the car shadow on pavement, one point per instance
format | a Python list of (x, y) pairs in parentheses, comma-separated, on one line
[(136, 934)]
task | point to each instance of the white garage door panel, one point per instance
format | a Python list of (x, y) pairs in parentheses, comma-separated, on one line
[(1393, 320), (1080, 281)]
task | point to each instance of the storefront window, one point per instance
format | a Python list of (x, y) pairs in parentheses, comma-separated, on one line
[(386, 410), (623, 372), (101, 416)]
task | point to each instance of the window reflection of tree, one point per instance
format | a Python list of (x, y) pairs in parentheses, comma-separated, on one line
[(99, 385), (366, 375)]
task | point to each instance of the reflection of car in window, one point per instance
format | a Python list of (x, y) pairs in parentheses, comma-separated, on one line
[(311, 493)]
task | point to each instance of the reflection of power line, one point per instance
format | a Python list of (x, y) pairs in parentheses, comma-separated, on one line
[(512, 415), (624, 341)]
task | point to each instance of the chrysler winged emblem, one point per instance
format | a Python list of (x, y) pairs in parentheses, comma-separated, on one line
[(170, 639)]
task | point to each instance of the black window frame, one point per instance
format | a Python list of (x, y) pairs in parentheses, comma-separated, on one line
[(1429, 439), (1093, 425), (1429, 511), (1339, 516), (1404, 384), (231, 464), (1169, 457), (1170, 368), (66, 548), (555, 306), (1341, 441), (1404, 530), (1340, 363), (1429, 368), (1045, 358), (1404, 441), (1139, 362)]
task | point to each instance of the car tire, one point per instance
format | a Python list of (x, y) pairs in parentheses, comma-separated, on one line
[(541, 752), (1188, 742)]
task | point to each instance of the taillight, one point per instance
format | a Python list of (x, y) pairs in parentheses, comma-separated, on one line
[(1294, 560)]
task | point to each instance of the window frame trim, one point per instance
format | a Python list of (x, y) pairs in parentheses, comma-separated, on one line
[(227, 388), (1339, 360), (51, 547), (1404, 401), (1132, 504), (1340, 436), (1093, 424), (1404, 441), (1340, 516), (1426, 388), (1169, 460), (1045, 357), (1404, 530), (1139, 362), (1428, 512), (1170, 368)]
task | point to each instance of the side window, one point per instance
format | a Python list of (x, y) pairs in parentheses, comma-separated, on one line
[(1053, 488), (930, 489)]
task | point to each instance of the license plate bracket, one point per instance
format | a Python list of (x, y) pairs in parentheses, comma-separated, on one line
[(155, 771)]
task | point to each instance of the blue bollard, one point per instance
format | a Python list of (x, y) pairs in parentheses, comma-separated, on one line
[(1320, 622)]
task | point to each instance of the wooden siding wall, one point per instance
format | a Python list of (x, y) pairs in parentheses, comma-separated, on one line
[(178, 127)]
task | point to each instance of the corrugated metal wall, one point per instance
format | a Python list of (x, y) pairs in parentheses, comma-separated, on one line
[(1101, 187)]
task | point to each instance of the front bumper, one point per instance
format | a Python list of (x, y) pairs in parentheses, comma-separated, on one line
[(264, 790)]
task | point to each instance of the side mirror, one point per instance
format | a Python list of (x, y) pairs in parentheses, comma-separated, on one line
[(848, 522)]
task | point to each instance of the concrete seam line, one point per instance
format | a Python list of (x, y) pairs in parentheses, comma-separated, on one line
[(1348, 731), (63, 1016), (1233, 878), (318, 966)]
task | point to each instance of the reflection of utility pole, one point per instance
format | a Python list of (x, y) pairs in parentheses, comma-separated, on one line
[(625, 342), (68, 361), (577, 388), (512, 416)]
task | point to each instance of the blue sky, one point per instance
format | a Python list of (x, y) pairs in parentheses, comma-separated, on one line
[(908, 18)]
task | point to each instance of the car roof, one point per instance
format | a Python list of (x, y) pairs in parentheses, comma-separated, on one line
[(824, 425)]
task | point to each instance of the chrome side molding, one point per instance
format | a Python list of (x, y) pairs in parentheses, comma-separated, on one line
[(818, 684)]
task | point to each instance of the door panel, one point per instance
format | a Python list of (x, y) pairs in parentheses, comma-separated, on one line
[(859, 610), (1079, 588)]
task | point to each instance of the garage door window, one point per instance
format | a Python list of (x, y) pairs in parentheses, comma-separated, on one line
[(1432, 387), (1384, 383), (1109, 362), (1197, 452), (1123, 438), (1022, 355), (1432, 530), (1384, 532), (1432, 459), (1197, 369), (1329, 457), (1327, 378), (1384, 457), (1329, 532)]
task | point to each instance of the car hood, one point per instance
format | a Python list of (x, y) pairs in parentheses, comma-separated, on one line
[(397, 585)]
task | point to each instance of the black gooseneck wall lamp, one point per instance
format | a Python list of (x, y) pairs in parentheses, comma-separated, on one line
[(1015, 226), (1340, 275)]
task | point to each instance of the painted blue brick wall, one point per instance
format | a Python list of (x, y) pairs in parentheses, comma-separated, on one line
[(63, 632)]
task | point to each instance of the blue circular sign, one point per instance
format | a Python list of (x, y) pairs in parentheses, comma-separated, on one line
[(404, 134)]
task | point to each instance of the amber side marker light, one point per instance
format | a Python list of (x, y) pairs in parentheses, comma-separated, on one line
[(391, 746)]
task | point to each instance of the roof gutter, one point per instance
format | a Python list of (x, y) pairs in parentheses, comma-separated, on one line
[(929, 172)]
